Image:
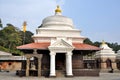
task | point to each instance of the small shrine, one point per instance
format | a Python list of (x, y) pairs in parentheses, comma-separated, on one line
[(106, 58)]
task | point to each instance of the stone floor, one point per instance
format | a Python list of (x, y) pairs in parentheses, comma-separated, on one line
[(103, 76)]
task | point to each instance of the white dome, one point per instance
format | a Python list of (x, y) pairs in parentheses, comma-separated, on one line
[(57, 21), (106, 51), (104, 46)]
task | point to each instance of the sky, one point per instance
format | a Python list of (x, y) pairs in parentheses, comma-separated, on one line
[(97, 19)]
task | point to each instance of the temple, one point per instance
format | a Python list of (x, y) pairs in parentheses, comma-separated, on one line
[(58, 50)]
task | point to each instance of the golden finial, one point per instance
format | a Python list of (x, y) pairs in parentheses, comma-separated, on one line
[(103, 42), (24, 26), (58, 9)]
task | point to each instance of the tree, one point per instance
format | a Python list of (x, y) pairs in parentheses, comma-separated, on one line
[(10, 37), (97, 43), (1, 26), (114, 46), (27, 35), (88, 41)]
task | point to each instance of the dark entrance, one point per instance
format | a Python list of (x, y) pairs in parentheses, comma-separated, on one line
[(60, 61), (109, 63)]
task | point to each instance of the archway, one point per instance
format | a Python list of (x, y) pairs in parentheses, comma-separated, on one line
[(118, 64), (33, 66), (108, 63)]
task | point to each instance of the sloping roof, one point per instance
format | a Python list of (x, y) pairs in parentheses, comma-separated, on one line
[(2, 53), (82, 46), (44, 45)]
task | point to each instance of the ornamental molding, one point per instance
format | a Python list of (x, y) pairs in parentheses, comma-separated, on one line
[(61, 45)]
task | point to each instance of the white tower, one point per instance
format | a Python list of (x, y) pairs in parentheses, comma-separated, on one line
[(57, 26)]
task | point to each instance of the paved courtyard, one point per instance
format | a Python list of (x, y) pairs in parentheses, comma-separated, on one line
[(103, 76)]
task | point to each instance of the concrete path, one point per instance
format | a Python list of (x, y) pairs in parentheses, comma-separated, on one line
[(103, 76)]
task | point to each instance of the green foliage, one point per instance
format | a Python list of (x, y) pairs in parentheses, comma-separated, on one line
[(1, 24), (14, 52), (11, 37), (26, 37), (3, 49), (114, 46), (97, 43), (88, 41)]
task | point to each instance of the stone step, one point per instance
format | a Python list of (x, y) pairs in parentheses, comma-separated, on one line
[(109, 71), (60, 73)]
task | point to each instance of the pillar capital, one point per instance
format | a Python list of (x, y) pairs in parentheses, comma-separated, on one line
[(69, 53), (52, 53)]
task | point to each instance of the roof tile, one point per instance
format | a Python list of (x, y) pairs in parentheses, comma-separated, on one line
[(44, 45)]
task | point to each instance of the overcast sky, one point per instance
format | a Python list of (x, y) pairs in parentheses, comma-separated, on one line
[(98, 19)]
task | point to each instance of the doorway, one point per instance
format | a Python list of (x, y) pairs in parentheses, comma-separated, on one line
[(60, 61), (109, 63)]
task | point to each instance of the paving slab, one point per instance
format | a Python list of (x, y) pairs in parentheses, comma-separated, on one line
[(103, 76)]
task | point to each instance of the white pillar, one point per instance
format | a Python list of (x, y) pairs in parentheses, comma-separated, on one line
[(69, 64), (52, 64)]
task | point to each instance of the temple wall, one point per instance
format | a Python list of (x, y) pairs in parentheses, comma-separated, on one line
[(10, 66), (77, 61), (45, 62), (104, 62)]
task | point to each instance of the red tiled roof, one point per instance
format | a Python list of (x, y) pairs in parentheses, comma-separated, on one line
[(82, 46), (44, 45)]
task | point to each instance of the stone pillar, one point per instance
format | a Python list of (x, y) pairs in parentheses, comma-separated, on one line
[(27, 66), (69, 64), (114, 66), (103, 65), (52, 64), (39, 65)]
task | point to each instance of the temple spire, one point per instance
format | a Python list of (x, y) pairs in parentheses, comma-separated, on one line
[(58, 10), (103, 42)]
